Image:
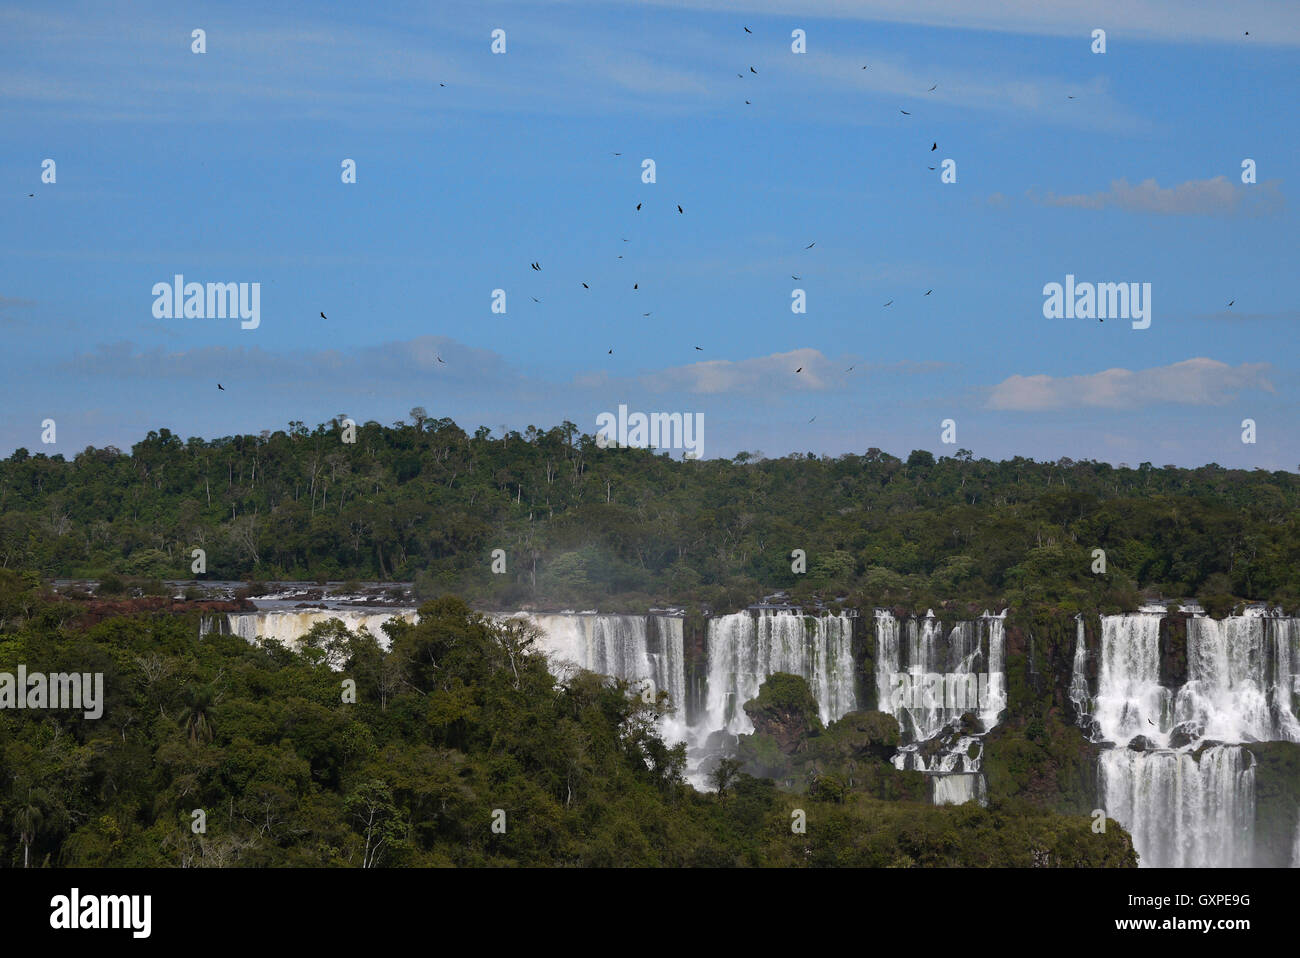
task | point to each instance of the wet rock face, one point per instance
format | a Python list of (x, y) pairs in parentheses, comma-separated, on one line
[(1185, 734), (1141, 743)]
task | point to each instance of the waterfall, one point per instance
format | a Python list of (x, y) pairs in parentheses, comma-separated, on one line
[(1080, 695), (638, 648), (289, 627), (928, 677), (746, 647), (957, 789), (1239, 679), (1182, 810), (1130, 700), (1187, 794)]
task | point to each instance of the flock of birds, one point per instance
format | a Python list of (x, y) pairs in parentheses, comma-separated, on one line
[(537, 267)]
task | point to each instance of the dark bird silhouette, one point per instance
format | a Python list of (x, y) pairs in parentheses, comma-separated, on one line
[(679, 208), (625, 239), (323, 316), (536, 300), (221, 387), (864, 67), (1149, 722), (928, 292), (618, 154), (1231, 301), (611, 352), (741, 75), (929, 167), (700, 348), (439, 358), (585, 286), (1068, 97), (935, 147), (645, 314), (442, 84), (794, 277), (799, 370), (752, 70), (849, 370), (536, 266), (890, 303), (31, 194), (634, 286), (638, 206), (811, 245), (904, 112), (814, 417), (747, 103), (933, 88), (747, 30)]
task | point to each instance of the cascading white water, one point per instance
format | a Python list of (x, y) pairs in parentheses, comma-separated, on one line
[(289, 627), (1080, 696), (745, 648), (1186, 805), (1295, 844), (928, 677), (1239, 679), (957, 789), (1130, 700), (1183, 812), (622, 646)]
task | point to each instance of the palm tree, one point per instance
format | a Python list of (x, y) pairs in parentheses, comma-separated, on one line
[(29, 817), (198, 723)]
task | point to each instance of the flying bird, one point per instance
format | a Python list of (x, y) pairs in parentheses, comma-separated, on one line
[(1230, 302), (634, 286), (1149, 722), (929, 167), (31, 194), (442, 84), (752, 70), (439, 358), (747, 30), (618, 154), (645, 314), (700, 348), (679, 208), (864, 67), (890, 303), (810, 420), (535, 266), (799, 370), (611, 352), (638, 206), (747, 103), (323, 316), (928, 292), (1068, 97), (935, 147), (811, 245), (794, 277), (221, 387), (585, 286), (904, 112), (536, 300), (849, 370), (933, 88)]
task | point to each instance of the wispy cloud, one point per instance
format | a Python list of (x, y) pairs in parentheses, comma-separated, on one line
[(1217, 196), (1196, 382)]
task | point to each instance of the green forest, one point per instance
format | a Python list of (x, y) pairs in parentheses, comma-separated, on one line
[(457, 729), (627, 529)]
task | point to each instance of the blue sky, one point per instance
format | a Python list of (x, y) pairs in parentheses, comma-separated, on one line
[(225, 167)]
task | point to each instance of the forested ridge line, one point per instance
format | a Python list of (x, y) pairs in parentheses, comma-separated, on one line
[(622, 527)]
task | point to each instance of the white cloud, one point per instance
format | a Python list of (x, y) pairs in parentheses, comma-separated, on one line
[(1214, 196), (1196, 382)]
